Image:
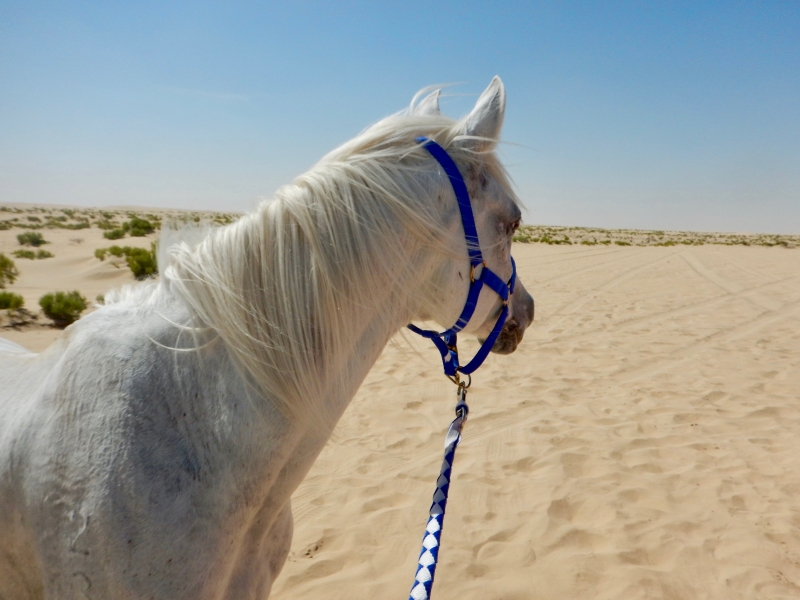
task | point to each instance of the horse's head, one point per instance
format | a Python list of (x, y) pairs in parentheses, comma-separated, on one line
[(497, 216)]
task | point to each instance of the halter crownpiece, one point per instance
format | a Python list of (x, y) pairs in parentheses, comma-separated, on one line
[(446, 341)]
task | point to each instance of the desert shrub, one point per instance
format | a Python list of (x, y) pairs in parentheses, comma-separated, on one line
[(138, 227), (35, 219), (142, 262), (114, 234), (31, 238), (11, 300), (74, 226), (8, 271), (621, 243), (107, 225), (31, 255), (63, 307)]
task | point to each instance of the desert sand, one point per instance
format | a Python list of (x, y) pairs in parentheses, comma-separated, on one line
[(643, 441)]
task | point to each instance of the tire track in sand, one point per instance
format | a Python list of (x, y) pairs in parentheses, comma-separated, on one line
[(685, 353), (681, 311), (571, 307), (587, 269), (731, 287)]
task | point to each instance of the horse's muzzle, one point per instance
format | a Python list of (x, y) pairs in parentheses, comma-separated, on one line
[(514, 329)]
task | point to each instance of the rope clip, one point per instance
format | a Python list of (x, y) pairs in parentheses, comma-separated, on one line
[(462, 410)]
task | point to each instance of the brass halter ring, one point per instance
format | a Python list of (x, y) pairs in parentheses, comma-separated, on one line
[(456, 379)]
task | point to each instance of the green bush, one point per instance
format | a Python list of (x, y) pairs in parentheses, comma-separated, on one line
[(31, 255), (73, 226), (114, 234), (8, 271), (142, 262), (10, 300), (31, 238), (138, 227), (63, 307), (107, 225)]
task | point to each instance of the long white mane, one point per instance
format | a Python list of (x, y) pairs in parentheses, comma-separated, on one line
[(352, 232)]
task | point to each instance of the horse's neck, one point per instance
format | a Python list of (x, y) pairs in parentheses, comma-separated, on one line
[(381, 306), (359, 360)]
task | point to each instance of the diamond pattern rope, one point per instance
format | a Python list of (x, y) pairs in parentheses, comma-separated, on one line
[(426, 566)]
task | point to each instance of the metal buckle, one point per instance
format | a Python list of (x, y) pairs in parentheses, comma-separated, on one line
[(472, 271)]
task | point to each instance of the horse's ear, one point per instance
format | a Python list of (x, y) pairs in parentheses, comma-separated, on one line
[(485, 121), (429, 105)]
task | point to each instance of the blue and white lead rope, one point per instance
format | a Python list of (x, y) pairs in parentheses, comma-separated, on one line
[(426, 566)]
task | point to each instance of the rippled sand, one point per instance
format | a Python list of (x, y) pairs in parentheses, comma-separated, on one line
[(643, 442)]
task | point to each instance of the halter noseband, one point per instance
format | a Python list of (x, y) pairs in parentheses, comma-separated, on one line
[(446, 341)]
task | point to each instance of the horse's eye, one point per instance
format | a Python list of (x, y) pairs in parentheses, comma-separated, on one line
[(513, 227)]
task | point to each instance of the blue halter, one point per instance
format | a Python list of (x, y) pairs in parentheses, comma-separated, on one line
[(446, 341)]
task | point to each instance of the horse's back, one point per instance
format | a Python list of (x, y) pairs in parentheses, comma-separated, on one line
[(21, 374), (46, 425)]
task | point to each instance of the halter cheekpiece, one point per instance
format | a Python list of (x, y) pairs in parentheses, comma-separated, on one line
[(479, 275), (445, 342)]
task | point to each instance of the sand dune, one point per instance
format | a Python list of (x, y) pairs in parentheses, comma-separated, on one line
[(643, 442)]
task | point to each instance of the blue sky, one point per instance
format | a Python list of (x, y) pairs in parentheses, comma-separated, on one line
[(620, 114)]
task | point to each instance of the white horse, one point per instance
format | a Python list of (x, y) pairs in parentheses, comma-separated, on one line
[(152, 451)]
